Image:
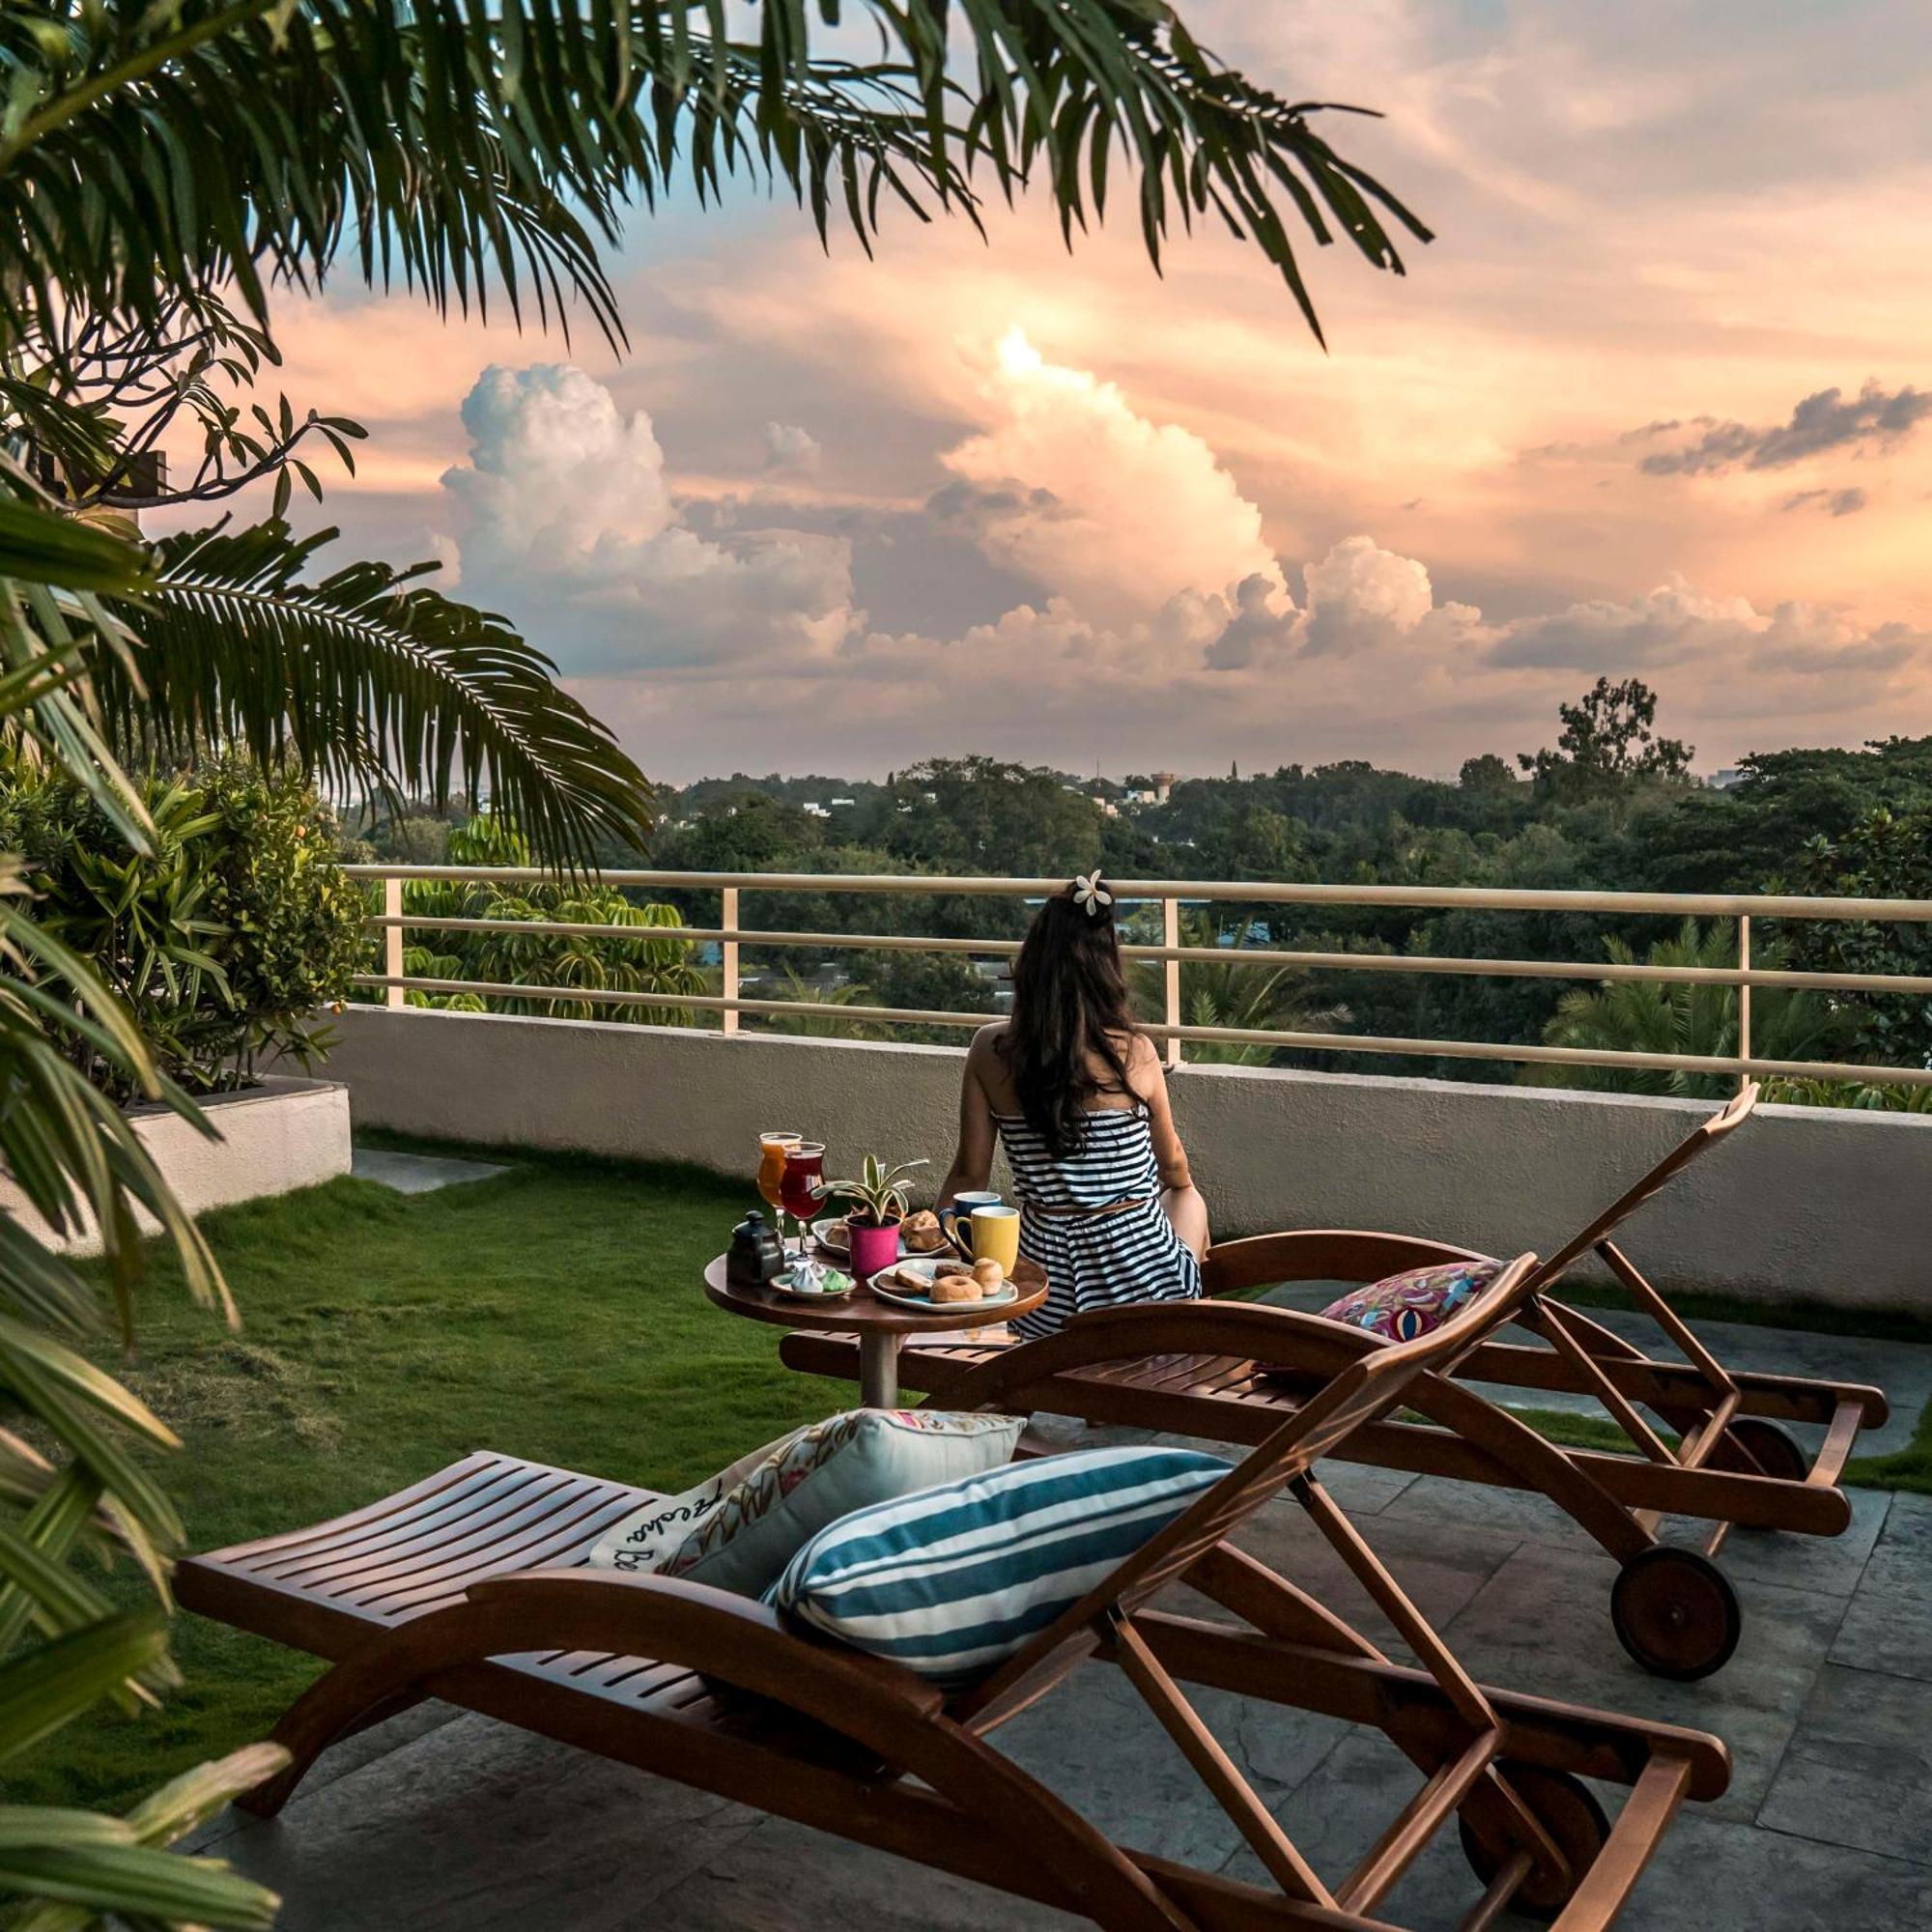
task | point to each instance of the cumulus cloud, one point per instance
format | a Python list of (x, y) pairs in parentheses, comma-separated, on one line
[(790, 451), (1073, 488), (1827, 420), (564, 519)]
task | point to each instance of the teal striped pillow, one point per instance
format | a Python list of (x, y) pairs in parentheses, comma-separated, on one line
[(950, 1580)]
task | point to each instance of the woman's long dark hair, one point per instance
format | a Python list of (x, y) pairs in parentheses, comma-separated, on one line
[(1071, 1007)]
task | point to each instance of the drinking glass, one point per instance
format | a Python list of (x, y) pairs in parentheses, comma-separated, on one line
[(803, 1169), (773, 1147)]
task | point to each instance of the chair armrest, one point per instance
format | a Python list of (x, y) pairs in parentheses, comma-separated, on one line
[(1322, 1254)]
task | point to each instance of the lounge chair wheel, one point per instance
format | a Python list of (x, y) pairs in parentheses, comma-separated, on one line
[(1675, 1612), (1567, 1809), (1772, 1448)]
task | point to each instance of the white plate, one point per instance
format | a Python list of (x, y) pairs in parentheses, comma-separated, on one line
[(924, 1303), (844, 1249)]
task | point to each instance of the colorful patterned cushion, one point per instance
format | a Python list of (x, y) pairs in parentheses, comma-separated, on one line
[(738, 1531), (954, 1579), (1403, 1306)]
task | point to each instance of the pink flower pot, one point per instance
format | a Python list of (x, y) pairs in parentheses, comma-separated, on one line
[(873, 1248)]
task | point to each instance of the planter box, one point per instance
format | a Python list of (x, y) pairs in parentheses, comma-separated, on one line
[(279, 1135)]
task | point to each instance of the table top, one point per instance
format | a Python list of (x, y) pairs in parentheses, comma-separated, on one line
[(862, 1310)]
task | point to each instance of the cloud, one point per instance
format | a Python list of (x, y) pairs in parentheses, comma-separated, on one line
[(790, 451), (1676, 625), (1834, 502), (1825, 421), (565, 520), (1078, 491)]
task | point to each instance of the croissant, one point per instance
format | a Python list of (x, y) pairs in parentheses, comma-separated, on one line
[(922, 1233)]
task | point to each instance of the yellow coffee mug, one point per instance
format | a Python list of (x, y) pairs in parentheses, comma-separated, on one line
[(996, 1235)]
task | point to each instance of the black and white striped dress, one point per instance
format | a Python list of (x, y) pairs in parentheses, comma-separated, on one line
[(1096, 1260)]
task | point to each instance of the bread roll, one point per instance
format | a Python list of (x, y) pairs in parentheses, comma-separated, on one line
[(921, 1231), (989, 1276)]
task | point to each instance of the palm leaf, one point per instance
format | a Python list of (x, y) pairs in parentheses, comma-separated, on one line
[(367, 679)]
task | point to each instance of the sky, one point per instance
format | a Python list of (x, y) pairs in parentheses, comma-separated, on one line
[(1658, 401)]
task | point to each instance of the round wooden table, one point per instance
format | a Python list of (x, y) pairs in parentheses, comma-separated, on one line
[(881, 1327)]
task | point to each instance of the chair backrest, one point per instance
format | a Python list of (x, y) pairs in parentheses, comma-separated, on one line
[(1707, 1133), (1368, 1388)]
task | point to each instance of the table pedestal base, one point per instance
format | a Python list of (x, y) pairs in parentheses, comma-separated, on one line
[(878, 1369)]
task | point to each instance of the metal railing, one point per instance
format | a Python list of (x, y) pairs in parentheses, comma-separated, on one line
[(1168, 895)]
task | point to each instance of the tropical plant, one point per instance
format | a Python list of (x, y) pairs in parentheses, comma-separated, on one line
[(879, 1194), (1867, 1097), (635, 950), (1243, 998), (221, 940), (1669, 1017)]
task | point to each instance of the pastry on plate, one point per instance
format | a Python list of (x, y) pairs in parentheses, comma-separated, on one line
[(956, 1287), (947, 1268), (989, 1276), (836, 1233), (922, 1233)]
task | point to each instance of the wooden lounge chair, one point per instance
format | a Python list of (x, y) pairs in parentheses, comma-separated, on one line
[(1733, 1464), (470, 1587)]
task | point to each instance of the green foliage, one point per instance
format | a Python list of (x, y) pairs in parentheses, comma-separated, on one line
[(644, 957), (1607, 740), (880, 1192), (1244, 998), (1655, 1016), (220, 939)]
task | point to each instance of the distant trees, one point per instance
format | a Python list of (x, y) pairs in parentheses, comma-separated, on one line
[(1607, 743)]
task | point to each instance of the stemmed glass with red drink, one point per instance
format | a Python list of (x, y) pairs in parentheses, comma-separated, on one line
[(804, 1173)]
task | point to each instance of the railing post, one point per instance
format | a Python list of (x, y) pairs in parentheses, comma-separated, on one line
[(727, 918), (392, 940), (1744, 996), (1170, 937)]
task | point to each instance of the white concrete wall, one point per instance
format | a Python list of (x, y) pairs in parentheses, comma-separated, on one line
[(284, 1135), (1801, 1203)]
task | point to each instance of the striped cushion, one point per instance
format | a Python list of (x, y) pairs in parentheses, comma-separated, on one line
[(951, 1581)]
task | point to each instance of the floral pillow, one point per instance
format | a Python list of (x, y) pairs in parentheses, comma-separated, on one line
[(1403, 1306), (750, 1519)]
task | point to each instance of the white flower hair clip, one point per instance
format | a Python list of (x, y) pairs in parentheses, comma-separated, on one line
[(1090, 894)]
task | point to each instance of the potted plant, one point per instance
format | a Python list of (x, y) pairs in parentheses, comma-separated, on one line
[(878, 1205)]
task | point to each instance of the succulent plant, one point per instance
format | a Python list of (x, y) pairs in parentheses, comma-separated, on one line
[(878, 1195)]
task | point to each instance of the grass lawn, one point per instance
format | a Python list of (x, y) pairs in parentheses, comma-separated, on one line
[(555, 1312)]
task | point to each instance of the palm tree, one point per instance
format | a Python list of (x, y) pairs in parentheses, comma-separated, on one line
[(1246, 997), (162, 170), (1666, 1016)]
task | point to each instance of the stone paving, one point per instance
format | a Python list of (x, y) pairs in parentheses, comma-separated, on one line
[(441, 1820)]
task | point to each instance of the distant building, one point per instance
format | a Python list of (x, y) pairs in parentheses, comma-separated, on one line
[(1724, 779), (1164, 784)]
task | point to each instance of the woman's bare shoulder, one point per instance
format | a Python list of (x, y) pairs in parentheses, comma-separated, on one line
[(987, 1039)]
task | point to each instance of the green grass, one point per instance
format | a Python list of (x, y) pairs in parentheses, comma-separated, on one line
[(557, 1312)]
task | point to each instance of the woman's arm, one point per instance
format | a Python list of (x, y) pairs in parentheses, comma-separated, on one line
[(1150, 1084), (1180, 1199), (973, 1160)]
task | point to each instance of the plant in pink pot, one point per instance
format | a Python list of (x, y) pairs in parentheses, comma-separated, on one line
[(877, 1205)]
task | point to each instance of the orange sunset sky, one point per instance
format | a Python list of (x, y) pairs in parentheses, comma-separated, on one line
[(1658, 400)]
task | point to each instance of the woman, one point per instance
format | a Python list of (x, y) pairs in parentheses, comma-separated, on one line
[(1073, 1089)]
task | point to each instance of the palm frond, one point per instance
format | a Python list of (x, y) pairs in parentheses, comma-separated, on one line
[(368, 680)]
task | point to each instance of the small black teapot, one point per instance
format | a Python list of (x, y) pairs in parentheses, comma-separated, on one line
[(756, 1254)]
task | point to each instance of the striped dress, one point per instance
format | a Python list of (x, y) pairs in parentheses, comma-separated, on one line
[(1096, 1260)]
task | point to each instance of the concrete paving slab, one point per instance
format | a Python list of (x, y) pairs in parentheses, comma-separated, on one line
[(419, 1173), (1714, 1877), (483, 1827), (1830, 1564), (1858, 1769), (1543, 1623), (782, 1877), (1889, 1624)]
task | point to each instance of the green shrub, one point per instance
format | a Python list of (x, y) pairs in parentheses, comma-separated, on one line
[(222, 943)]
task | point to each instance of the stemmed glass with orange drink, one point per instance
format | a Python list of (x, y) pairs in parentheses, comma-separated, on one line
[(773, 1149)]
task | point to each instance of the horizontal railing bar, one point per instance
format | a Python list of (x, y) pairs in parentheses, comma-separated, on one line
[(1314, 1043), (1213, 955), (1475, 898)]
